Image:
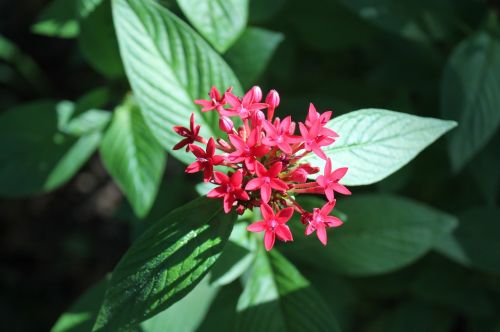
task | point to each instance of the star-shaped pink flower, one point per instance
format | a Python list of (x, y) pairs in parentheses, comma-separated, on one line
[(246, 107), (280, 134), (205, 160), (249, 150), (216, 101), (329, 182), (320, 220), (191, 134), (229, 188), (267, 180), (273, 225)]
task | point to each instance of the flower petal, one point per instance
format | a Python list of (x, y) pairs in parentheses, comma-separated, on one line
[(321, 233), (283, 233), (258, 226), (266, 211), (269, 238), (284, 215)]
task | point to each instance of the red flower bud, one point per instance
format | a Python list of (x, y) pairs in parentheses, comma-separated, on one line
[(226, 124), (273, 99)]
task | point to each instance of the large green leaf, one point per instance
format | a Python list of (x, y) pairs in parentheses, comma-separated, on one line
[(168, 66), (478, 234), (469, 94), (133, 157), (220, 21), (35, 157), (374, 143), (221, 316), (277, 297), (97, 41), (251, 54), (165, 263), (80, 317), (419, 20), (384, 233), (194, 305), (58, 19)]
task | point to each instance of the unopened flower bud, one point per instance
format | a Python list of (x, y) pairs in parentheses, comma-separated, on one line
[(256, 94), (273, 99), (226, 124)]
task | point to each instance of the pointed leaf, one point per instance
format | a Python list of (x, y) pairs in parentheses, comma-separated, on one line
[(374, 143), (251, 54), (194, 305), (384, 233), (98, 43), (80, 317), (34, 156), (168, 66), (469, 95), (58, 19), (221, 22), (165, 263), (133, 157), (277, 297)]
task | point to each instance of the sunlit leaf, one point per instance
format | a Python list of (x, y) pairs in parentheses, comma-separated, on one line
[(221, 22), (374, 143), (168, 66), (165, 263), (133, 157)]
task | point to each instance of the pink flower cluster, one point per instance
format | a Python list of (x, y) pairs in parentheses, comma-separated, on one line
[(264, 157)]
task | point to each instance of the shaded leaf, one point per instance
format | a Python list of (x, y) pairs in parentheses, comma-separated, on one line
[(221, 316), (221, 22), (86, 7), (469, 95), (251, 54), (374, 143), (168, 66), (277, 297), (384, 233), (194, 305), (133, 157), (35, 157), (164, 264), (478, 233), (58, 19), (80, 317), (98, 43)]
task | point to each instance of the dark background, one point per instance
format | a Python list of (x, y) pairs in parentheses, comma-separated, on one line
[(54, 246)]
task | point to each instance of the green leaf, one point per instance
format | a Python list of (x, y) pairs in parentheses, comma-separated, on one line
[(165, 263), (82, 124), (384, 233), (194, 305), (277, 297), (86, 7), (478, 233), (236, 258), (58, 19), (374, 143), (35, 157), (469, 95), (412, 316), (221, 22), (221, 316), (168, 66), (251, 54), (23, 64), (98, 43), (133, 157), (422, 20), (80, 317), (446, 284)]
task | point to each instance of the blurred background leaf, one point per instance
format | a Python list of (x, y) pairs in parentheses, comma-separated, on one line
[(221, 22)]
